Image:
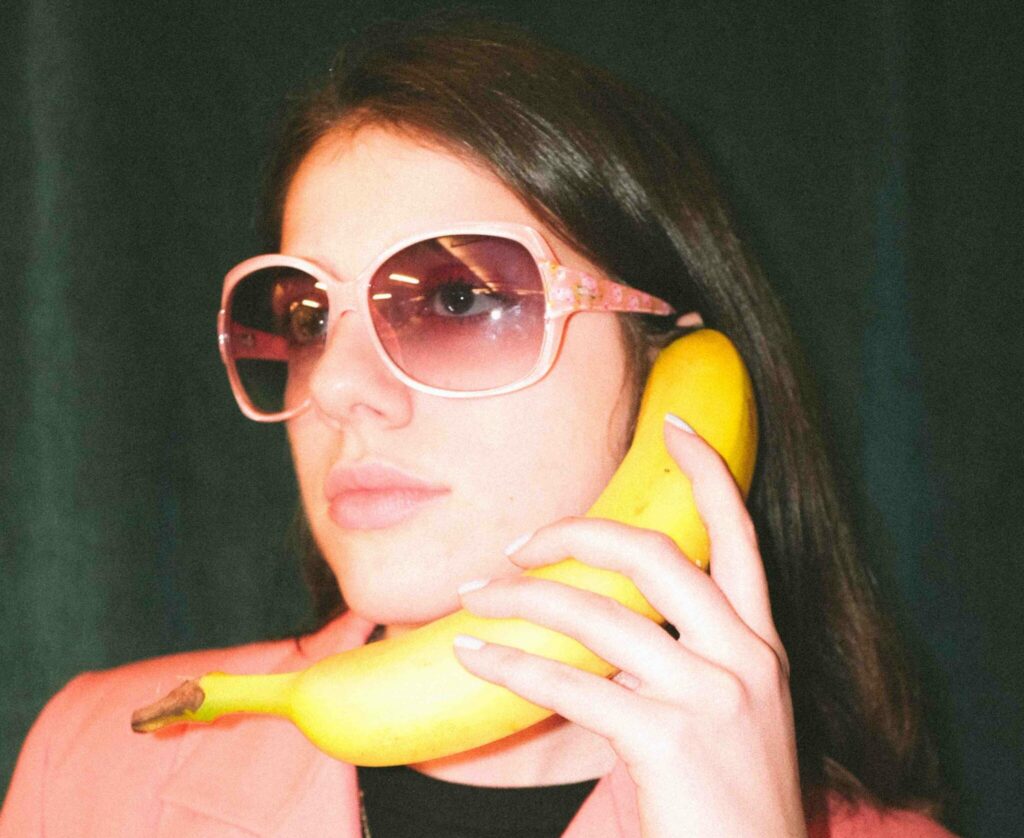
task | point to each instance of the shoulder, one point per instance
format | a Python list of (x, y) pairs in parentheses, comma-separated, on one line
[(81, 758), (845, 819), (92, 713), (100, 703), (85, 729)]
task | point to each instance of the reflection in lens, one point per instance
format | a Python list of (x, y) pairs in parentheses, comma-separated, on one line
[(277, 319), (472, 319), (264, 383)]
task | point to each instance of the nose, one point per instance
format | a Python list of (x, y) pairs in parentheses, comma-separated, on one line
[(350, 382)]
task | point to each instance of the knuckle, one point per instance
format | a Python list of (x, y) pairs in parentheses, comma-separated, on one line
[(606, 609), (599, 532), (562, 533), (766, 668), (566, 522), (525, 674), (715, 460), (659, 543), (514, 587), (503, 657), (730, 696), (784, 665)]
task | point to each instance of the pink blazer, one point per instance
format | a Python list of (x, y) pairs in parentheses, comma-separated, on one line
[(82, 772)]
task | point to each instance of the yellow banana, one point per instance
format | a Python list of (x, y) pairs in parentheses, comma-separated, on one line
[(407, 699)]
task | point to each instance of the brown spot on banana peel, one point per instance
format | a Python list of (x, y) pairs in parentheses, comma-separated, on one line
[(186, 697)]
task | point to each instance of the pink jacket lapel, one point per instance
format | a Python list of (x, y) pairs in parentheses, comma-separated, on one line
[(273, 782)]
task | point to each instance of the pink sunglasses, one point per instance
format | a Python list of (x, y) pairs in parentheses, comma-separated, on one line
[(473, 310)]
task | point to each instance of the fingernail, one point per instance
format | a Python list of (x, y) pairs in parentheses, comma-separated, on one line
[(464, 641), (519, 542), (675, 421), (472, 585)]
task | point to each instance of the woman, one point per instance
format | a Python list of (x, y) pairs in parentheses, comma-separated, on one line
[(768, 715)]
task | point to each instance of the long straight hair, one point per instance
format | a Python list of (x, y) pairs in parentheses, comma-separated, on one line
[(614, 174)]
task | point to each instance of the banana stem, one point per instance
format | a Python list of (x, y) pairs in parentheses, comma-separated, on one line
[(217, 694)]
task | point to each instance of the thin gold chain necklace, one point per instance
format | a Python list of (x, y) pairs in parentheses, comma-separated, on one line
[(376, 634), (362, 816)]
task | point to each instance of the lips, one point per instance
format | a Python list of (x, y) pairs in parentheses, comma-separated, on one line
[(371, 497)]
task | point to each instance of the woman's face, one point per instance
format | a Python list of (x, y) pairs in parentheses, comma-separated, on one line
[(485, 470)]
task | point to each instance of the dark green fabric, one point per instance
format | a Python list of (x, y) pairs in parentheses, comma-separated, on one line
[(872, 149)]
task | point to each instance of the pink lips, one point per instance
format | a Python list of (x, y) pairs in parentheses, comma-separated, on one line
[(372, 497)]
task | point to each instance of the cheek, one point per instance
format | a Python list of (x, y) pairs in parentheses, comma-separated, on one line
[(310, 453), (562, 441)]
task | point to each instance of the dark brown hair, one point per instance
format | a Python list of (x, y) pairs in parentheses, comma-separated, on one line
[(615, 175)]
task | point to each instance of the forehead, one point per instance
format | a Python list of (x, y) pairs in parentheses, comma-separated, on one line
[(357, 193)]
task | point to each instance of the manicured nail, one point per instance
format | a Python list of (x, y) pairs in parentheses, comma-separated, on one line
[(472, 585), (675, 421), (464, 641), (519, 542)]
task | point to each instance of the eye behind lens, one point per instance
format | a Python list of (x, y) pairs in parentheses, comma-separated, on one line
[(456, 297), (306, 322)]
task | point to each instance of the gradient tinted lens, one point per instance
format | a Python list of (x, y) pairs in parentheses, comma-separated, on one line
[(277, 321), (460, 313)]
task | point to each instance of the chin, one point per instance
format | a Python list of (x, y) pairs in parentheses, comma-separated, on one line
[(396, 606)]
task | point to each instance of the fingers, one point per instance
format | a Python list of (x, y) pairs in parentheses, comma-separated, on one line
[(605, 707), (593, 702), (726, 632), (703, 609), (617, 635), (674, 587), (736, 565)]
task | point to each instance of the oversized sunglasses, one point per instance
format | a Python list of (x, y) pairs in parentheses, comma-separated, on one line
[(473, 310)]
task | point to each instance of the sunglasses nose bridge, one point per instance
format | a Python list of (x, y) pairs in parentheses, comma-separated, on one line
[(342, 297)]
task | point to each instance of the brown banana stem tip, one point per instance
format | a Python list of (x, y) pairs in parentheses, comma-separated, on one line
[(169, 709)]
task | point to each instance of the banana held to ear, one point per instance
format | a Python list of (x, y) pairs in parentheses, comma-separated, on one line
[(408, 699)]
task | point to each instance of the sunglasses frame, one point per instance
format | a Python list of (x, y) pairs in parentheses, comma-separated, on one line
[(566, 292)]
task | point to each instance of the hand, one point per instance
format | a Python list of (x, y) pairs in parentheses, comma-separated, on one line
[(703, 723)]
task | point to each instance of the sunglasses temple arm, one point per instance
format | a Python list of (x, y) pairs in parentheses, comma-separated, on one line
[(573, 290)]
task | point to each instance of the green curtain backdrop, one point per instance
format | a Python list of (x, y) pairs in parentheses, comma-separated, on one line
[(870, 148)]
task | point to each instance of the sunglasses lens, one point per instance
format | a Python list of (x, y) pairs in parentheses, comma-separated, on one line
[(277, 322), (460, 313)]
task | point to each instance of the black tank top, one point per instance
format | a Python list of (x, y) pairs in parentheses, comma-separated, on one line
[(402, 803)]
